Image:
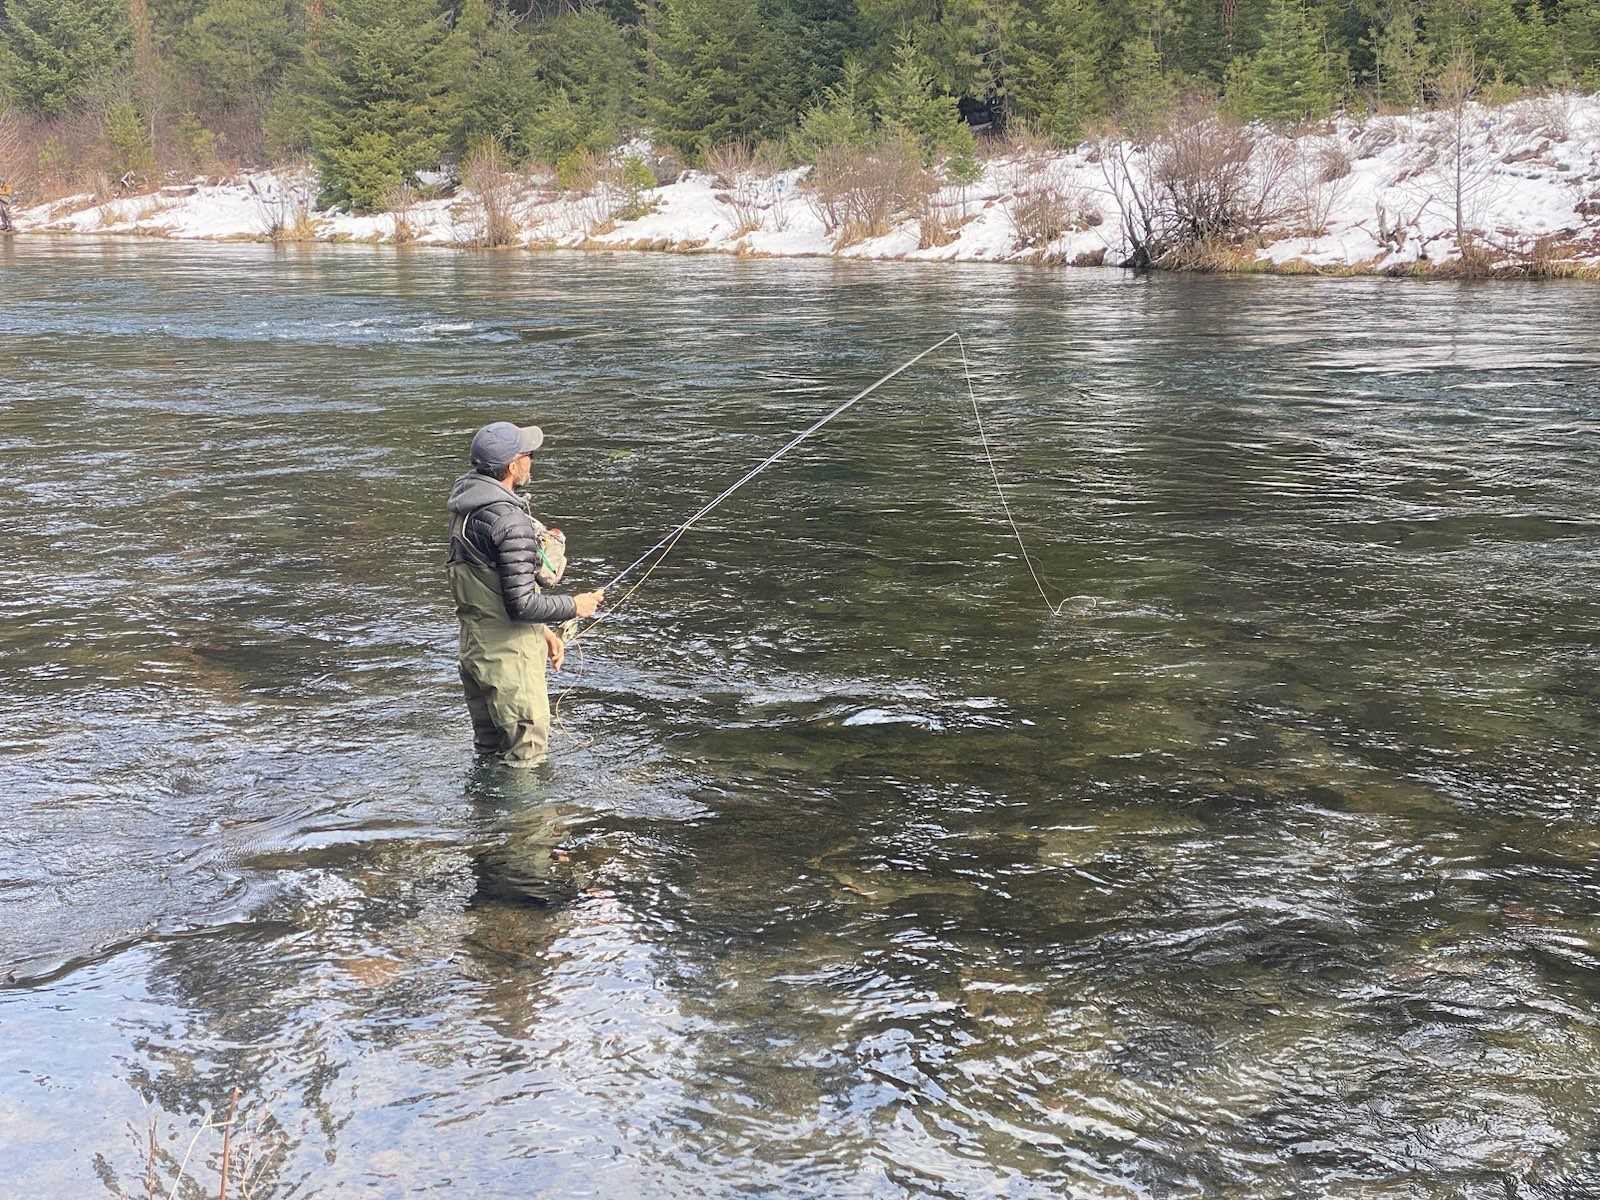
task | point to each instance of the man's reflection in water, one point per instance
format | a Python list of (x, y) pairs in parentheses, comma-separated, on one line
[(528, 876), (527, 861)]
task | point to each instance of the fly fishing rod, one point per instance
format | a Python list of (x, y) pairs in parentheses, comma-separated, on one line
[(663, 547)]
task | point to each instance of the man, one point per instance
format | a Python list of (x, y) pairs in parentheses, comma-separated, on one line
[(505, 618)]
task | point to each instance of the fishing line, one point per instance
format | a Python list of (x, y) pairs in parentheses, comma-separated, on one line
[(994, 473), (664, 547)]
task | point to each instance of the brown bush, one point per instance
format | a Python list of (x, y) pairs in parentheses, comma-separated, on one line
[(1318, 179), (485, 216), (285, 203), (1550, 116), (401, 203), (1041, 201), (857, 194), (739, 174), (12, 147), (1216, 180), (1019, 141), (1202, 181)]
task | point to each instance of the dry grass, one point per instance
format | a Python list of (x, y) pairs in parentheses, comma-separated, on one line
[(149, 208), (937, 225), (1219, 255), (1019, 141)]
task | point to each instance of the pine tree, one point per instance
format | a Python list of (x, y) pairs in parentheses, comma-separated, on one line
[(381, 108), (711, 63), (954, 37), (840, 117), (1056, 59), (1288, 79), (1580, 40), (910, 109), (236, 51), (813, 38), (587, 65), (1493, 33), (52, 52), (1540, 56), (1401, 62), (1144, 94), (497, 81)]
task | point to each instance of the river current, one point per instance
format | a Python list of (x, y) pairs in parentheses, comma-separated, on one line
[(1266, 868)]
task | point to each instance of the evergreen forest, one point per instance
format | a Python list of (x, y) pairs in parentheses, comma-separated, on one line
[(374, 92)]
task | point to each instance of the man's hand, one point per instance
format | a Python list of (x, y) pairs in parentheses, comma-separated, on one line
[(556, 647), (588, 602)]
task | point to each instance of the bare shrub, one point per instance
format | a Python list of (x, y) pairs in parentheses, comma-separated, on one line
[(1550, 117), (592, 193), (400, 202), (753, 192), (1129, 175), (12, 145), (857, 193), (1333, 156), (1460, 173), (485, 217), (1041, 201), (1216, 180), (239, 138), (781, 214), (1201, 181), (1318, 180), (734, 165), (285, 203), (52, 158), (11, 159)]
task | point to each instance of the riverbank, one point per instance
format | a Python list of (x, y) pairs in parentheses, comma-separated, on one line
[(1505, 190)]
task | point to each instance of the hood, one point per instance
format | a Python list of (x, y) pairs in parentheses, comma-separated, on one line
[(473, 491)]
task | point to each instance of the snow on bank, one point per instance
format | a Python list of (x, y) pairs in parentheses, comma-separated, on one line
[(1531, 171)]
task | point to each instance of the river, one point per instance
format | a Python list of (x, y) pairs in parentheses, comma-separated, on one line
[(1266, 867)]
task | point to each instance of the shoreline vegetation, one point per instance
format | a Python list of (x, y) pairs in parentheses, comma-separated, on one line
[(1371, 137), (1478, 191)]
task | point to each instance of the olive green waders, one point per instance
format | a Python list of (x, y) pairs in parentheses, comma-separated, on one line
[(502, 669)]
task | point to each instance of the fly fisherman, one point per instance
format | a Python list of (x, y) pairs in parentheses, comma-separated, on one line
[(500, 560)]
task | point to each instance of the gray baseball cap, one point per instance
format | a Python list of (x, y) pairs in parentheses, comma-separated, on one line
[(496, 444)]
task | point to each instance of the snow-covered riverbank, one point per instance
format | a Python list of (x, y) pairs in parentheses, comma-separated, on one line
[(1373, 196)]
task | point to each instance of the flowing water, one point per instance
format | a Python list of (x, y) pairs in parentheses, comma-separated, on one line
[(1266, 868)]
